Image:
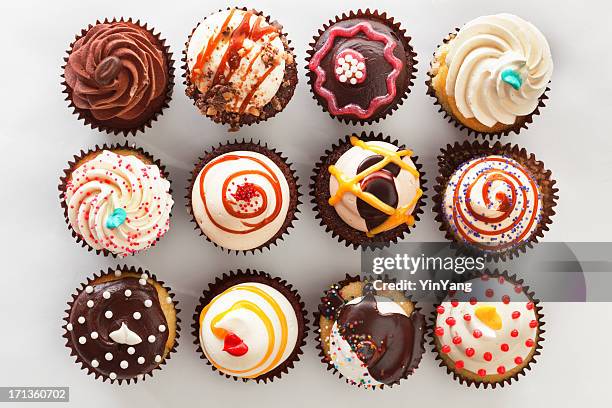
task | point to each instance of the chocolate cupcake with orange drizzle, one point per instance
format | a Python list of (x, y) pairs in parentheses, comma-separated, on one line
[(368, 190), (239, 67), (497, 200), (243, 196)]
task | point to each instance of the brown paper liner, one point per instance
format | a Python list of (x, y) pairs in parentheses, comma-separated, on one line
[(86, 115), (401, 34), (284, 94), (327, 214), (513, 377), (279, 160), (109, 271), (327, 362), (234, 278), (521, 122), (82, 156), (455, 155)]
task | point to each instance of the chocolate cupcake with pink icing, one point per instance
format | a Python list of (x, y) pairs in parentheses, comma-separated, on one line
[(118, 76), (361, 66)]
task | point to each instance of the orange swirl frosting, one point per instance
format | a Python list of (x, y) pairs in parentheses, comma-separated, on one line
[(257, 320)]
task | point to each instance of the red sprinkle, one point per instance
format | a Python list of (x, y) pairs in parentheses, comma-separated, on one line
[(505, 347), (529, 343), (440, 309), (473, 301), (469, 352), (514, 333), (518, 360), (454, 303), (482, 372), (506, 299), (489, 293), (501, 370), (446, 349), (439, 331), (533, 324), (516, 314), (457, 340), (450, 321), (467, 317), (477, 333), (459, 364), (488, 356), (529, 305)]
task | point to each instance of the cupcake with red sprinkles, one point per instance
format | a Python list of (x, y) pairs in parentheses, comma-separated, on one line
[(490, 334), (116, 200)]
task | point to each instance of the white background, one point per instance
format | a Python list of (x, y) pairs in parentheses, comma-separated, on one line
[(42, 264)]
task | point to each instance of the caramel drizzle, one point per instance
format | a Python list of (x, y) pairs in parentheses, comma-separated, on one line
[(397, 216)]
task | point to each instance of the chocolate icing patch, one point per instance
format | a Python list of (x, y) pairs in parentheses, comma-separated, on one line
[(118, 328), (381, 185)]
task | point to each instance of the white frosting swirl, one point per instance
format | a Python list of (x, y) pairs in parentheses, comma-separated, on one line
[(251, 208), (261, 317), (493, 202), (111, 181), (498, 349), (406, 184), (252, 63), (485, 48), (341, 354)]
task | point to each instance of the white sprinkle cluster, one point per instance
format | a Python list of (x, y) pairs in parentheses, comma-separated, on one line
[(349, 68)]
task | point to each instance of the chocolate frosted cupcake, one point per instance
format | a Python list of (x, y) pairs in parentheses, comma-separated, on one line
[(493, 199), (250, 326), (492, 74), (116, 200), (361, 66), (491, 334), (122, 324), (371, 338), (118, 76), (243, 196), (368, 190), (239, 67)]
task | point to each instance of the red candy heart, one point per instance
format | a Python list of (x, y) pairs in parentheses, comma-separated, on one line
[(234, 345)]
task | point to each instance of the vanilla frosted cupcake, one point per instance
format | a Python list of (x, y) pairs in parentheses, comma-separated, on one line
[(368, 190), (491, 75), (116, 200), (243, 196), (250, 326), (491, 334), (239, 67)]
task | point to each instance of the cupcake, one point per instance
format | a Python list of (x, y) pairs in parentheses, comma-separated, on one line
[(239, 67), (116, 199), (118, 76), (243, 196), (490, 334), (361, 66), (250, 326), (492, 74), (122, 324), (368, 190), (370, 337), (493, 199)]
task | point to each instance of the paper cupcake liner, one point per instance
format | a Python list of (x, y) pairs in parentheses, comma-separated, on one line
[(327, 362), (279, 160), (455, 155), (77, 159), (284, 94), (401, 33), (327, 214), (239, 276), (521, 122), (86, 115), (102, 273), (532, 361)]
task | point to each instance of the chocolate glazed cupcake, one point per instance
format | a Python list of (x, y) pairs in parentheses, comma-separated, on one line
[(493, 200), (250, 326), (118, 76), (491, 75), (361, 66), (243, 196), (371, 338), (117, 199), (239, 67), (491, 334), (122, 324), (368, 190)]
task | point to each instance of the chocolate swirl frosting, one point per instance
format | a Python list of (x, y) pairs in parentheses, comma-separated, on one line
[(117, 328), (118, 71)]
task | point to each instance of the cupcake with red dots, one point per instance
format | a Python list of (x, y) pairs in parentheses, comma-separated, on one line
[(496, 200), (243, 196), (361, 66), (371, 338), (490, 334), (116, 199), (122, 324)]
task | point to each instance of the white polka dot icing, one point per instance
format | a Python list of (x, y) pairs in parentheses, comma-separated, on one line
[(493, 333)]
